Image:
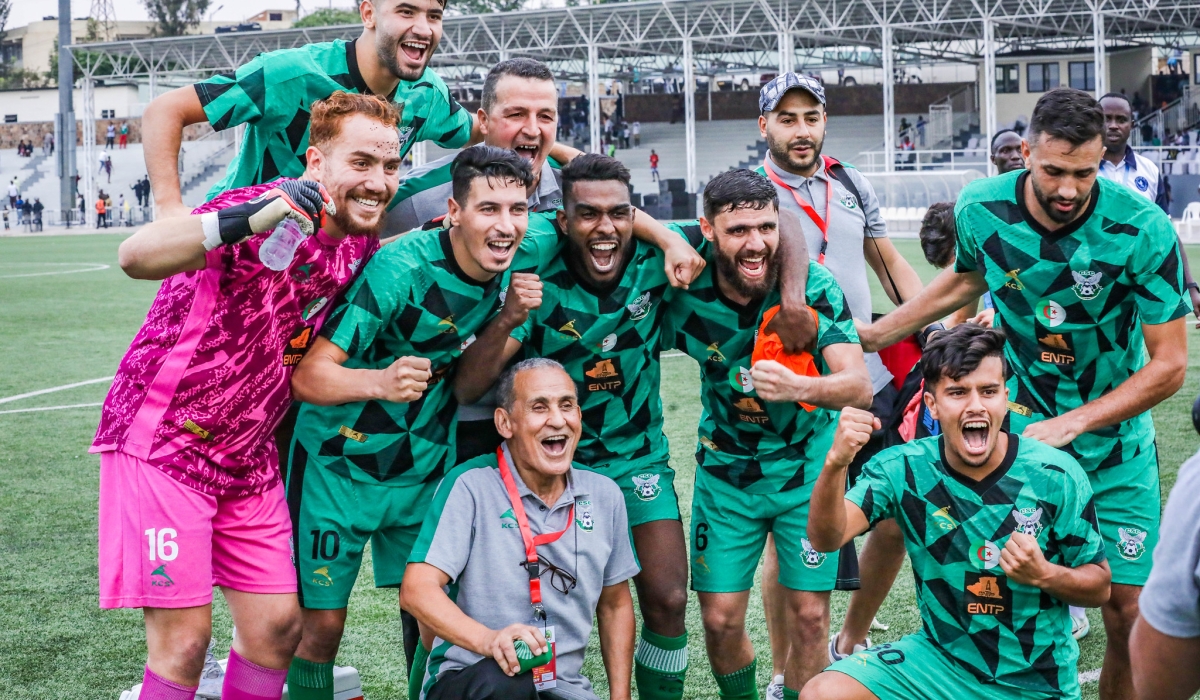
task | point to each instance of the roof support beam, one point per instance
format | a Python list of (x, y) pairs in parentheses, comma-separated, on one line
[(889, 102), (594, 98), (689, 114), (989, 87), (1099, 63)]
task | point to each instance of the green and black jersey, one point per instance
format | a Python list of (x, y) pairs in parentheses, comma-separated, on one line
[(412, 299), (754, 445), (273, 95), (608, 341), (954, 529), (1072, 301)]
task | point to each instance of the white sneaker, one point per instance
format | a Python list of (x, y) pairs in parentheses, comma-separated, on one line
[(1080, 624), (877, 625), (212, 677), (774, 689), (833, 652)]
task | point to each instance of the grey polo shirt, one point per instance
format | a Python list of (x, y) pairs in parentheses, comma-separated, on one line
[(423, 193), (848, 227), (1171, 600), (471, 534)]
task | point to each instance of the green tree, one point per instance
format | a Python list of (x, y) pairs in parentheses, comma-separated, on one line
[(175, 17), (483, 7), (326, 17)]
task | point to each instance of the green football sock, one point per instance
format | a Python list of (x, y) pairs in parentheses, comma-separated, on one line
[(660, 665), (789, 694), (308, 680), (417, 676), (739, 685)]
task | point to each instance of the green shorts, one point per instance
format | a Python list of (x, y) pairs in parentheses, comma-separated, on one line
[(648, 487), (334, 516), (1128, 508), (729, 529), (913, 668)]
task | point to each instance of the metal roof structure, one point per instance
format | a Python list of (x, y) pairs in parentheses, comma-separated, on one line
[(649, 33)]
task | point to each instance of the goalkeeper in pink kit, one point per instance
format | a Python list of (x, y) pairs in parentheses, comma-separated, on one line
[(190, 493)]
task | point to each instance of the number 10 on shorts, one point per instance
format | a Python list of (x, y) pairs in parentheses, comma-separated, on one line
[(162, 544)]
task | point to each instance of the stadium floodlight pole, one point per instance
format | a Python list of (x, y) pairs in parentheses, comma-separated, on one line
[(1099, 61), (64, 121), (689, 113), (989, 89), (90, 162), (787, 53), (594, 96), (889, 102)]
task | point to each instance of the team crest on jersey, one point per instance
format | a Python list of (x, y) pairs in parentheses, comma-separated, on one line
[(1014, 282), (1029, 521), (160, 578), (503, 296), (1132, 545), (714, 353), (944, 520), (325, 579), (568, 328), (848, 202), (985, 554), (1141, 183), (645, 487), (1050, 313), (640, 307), (583, 516), (811, 557), (405, 132), (1087, 284), (508, 520), (354, 266), (739, 378)]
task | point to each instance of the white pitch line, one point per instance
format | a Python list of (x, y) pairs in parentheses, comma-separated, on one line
[(92, 267), (51, 408), (53, 389), (1089, 676)]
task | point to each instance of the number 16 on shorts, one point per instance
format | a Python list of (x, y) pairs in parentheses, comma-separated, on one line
[(162, 544)]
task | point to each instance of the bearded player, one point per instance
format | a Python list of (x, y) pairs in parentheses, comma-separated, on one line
[(1086, 278), (1001, 531), (759, 451), (190, 494)]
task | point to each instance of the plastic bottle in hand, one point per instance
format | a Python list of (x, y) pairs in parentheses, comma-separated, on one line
[(279, 249)]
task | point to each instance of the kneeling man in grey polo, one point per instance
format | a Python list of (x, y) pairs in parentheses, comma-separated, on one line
[(521, 545)]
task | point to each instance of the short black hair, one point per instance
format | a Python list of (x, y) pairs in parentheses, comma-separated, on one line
[(1118, 95), (939, 234), (1069, 114), (992, 145), (490, 162), (957, 352), (520, 67), (737, 189), (592, 167)]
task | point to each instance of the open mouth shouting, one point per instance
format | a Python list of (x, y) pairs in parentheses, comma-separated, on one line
[(753, 266), (555, 445), (528, 151), (604, 253), (975, 434), (501, 248)]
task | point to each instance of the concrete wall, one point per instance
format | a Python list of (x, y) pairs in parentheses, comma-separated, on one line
[(41, 104), (10, 134), (1128, 69), (911, 98)]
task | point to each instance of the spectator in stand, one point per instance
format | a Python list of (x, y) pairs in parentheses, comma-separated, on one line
[(122, 210), (108, 166), (1006, 151), (37, 210), (13, 193), (82, 205), (27, 213), (921, 131), (637, 134), (20, 207), (125, 211), (653, 166), (110, 135), (108, 208), (124, 134), (48, 143)]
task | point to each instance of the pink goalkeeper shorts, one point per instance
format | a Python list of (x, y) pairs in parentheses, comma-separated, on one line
[(165, 545)]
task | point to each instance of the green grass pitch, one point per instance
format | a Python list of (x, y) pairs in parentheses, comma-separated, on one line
[(65, 328)]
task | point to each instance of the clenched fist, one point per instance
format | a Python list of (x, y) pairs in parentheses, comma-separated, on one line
[(524, 295), (1023, 561), (853, 431), (405, 380)]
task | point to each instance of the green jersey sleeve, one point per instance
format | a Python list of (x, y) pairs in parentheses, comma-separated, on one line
[(1075, 529), (1158, 272), (446, 122), (372, 302), (873, 492), (835, 325), (966, 250), (540, 246), (240, 97)]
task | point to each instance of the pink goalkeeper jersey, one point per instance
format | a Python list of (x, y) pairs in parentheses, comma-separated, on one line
[(206, 381)]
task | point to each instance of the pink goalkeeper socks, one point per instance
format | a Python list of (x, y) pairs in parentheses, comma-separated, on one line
[(248, 681), (155, 687)]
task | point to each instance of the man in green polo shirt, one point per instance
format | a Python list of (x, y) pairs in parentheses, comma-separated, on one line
[(273, 92)]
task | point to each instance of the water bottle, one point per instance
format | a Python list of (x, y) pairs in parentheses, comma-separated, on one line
[(525, 656), (279, 249)]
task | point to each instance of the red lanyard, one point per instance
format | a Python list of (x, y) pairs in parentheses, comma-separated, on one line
[(822, 224), (531, 542)]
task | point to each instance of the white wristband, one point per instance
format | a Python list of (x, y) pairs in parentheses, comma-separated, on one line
[(212, 230)]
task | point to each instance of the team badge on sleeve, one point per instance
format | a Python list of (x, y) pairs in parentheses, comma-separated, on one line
[(1029, 521), (1087, 284), (640, 307)]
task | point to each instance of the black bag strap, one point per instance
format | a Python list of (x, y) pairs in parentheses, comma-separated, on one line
[(838, 171)]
